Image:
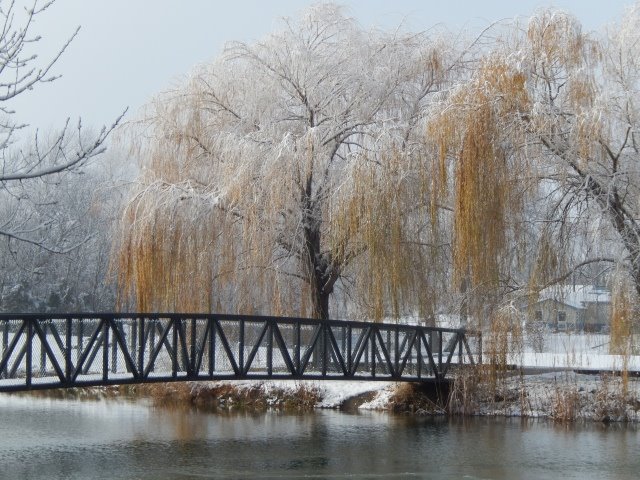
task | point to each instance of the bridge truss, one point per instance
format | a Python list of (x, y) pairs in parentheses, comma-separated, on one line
[(75, 350)]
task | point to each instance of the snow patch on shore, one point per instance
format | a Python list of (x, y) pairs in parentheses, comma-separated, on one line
[(332, 393)]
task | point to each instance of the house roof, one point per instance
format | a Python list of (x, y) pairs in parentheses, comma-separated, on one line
[(576, 296)]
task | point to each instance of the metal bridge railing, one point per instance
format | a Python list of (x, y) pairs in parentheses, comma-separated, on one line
[(60, 351)]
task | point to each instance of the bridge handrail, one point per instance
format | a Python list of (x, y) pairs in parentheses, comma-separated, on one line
[(216, 316), (104, 348)]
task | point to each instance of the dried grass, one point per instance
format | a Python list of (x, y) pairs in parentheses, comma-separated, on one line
[(415, 398), (465, 394), (565, 403), (611, 399), (227, 396)]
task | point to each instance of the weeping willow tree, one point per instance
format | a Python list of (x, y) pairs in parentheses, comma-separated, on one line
[(538, 152), (284, 175), (475, 167)]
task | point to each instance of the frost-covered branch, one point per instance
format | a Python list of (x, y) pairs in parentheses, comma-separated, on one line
[(28, 170)]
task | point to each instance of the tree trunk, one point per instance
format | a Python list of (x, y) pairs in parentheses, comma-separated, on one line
[(318, 266), (321, 304), (321, 285)]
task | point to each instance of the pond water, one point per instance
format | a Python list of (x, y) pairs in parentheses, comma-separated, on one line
[(62, 439)]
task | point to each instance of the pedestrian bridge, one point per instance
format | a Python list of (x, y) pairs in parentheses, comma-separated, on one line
[(42, 351)]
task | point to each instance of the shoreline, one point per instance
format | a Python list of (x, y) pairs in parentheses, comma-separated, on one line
[(563, 397), (560, 396)]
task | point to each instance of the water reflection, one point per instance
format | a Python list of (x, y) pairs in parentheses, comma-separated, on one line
[(77, 440)]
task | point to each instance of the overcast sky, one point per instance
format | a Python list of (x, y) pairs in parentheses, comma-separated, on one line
[(129, 50)]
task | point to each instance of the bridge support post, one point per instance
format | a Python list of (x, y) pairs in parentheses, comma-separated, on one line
[(67, 353), (297, 349), (80, 342), (325, 360), (241, 348), (212, 345), (114, 346), (43, 353), (29, 367), (269, 348), (440, 352), (194, 349), (133, 333), (5, 346), (174, 348), (105, 350), (152, 341), (141, 342)]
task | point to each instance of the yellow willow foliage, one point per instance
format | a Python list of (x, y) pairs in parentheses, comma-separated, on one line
[(503, 343), (622, 314), (479, 203), (556, 38), (549, 263), (564, 69), (170, 262), (472, 132), (158, 264), (392, 266)]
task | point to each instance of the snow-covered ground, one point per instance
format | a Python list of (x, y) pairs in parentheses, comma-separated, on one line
[(564, 396), (332, 393), (579, 351)]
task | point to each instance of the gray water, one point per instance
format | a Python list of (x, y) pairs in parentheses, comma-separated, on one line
[(54, 439)]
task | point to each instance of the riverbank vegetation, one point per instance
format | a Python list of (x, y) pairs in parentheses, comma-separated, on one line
[(559, 396), (562, 397)]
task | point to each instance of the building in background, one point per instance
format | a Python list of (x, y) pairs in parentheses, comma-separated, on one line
[(572, 308)]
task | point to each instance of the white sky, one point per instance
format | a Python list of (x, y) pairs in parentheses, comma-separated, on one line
[(129, 50)]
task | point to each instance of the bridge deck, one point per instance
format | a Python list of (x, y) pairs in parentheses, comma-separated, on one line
[(61, 351)]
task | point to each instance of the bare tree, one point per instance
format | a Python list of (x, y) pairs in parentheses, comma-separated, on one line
[(26, 171), (80, 212), (288, 170)]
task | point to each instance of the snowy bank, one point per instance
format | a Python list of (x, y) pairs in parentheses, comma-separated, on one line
[(562, 396), (277, 394)]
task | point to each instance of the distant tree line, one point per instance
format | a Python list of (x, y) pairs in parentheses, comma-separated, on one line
[(55, 207)]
